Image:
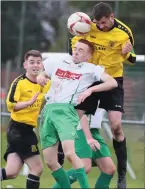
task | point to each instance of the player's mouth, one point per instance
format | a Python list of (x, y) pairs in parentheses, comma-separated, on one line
[(36, 70)]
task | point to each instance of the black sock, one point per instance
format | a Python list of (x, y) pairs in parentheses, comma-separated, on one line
[(121, 153), (3, 174), (33, 182)]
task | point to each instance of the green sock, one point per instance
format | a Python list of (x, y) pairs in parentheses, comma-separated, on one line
[(72, 178), (82, 178), (61, 178), (103, 181)]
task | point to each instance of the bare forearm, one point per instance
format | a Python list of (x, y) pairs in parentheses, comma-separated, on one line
[(85, 127), (106, 86), (21, 105)]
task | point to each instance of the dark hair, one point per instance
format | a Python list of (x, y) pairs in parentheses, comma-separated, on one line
[(100, 10), (90, 45), (33, 53)]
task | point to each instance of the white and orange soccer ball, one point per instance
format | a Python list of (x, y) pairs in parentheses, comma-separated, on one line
[(79, 23)]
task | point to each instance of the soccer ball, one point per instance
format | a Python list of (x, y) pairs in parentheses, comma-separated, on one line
[(79, 23)]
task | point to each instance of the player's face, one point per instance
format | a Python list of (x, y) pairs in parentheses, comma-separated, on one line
[(33, 65), (105, 23), (81, 53)]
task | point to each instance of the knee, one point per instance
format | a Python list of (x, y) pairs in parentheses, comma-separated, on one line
[(37, 169), (116, 127), (51, 163), (110, 170), (11, 174), (87, 168), (70, 155)]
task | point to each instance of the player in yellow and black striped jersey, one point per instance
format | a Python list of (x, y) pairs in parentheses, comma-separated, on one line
[(24, 101), (22, 90), (113, 43)]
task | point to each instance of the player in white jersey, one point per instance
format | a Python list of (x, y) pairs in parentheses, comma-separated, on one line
[(97, 157), (70, 79)]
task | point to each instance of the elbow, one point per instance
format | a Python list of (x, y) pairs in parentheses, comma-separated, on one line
[(10, 106), (14, 109)]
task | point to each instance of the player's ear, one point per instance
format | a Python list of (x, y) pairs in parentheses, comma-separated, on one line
[(24, 64), (89, 56), (112, 16)]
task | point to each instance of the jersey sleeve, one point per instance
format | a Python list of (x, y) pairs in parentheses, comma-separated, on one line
[(98, 71), (130, 58), (13, 95), (49, 66)]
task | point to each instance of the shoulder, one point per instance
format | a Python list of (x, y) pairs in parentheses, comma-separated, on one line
[(121, 25), (91, 66), (55, 59), (124, 28), (19, 80)]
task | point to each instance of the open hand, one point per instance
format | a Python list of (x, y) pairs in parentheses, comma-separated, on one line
[(33, 99), (84, 95), (42, 80), (94, 144)]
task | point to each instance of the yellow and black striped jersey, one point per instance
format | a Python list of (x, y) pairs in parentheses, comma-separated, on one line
[(22, 89), (108, 47)]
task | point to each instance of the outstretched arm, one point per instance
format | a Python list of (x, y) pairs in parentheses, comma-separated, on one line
[(107, 84)]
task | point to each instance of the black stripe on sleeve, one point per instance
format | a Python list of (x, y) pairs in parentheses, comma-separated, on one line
[(13, 88), (125, 29), (131, 59)]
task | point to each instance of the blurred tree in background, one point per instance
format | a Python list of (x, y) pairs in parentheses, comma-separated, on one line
[(42, 25), (28, 25)]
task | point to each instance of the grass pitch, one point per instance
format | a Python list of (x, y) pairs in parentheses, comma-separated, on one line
[(136, 156)]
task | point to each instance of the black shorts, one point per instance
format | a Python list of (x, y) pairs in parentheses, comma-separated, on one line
[(22, 140), (108, 100), (60, 154)]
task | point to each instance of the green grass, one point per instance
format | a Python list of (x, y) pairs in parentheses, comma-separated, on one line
[(136, 150)]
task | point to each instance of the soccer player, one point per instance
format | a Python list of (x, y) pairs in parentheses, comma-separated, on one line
[(70, 79), (93, 157), (113, 42), (24, 101)]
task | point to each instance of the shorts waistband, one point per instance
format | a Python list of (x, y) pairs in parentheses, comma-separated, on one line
[(59, 104), (22, 125)]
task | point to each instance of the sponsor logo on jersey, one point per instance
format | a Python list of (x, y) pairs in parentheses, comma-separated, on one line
[(99, 47), (118, 106), (67, 74), (111, 43), (34, 148)]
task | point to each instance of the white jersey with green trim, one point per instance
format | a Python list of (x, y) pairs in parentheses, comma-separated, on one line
[(69, 80)]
